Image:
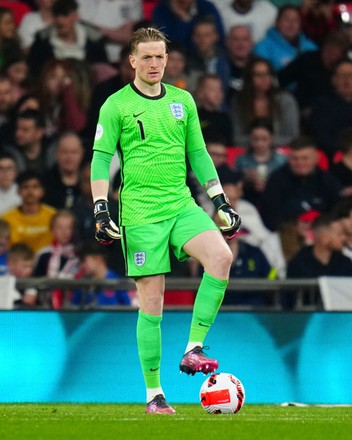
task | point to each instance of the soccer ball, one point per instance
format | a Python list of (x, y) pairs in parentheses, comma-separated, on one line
[(222, 393)]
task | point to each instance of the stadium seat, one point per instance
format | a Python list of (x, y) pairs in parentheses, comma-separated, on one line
[(179, 297), (337, 157), (233, 153), (323, 161), (148, 6)]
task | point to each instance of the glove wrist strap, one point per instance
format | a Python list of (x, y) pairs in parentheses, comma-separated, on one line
[(220, 200), (101, 206)]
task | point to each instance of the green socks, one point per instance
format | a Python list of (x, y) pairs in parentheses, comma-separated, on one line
[(208, 301), (149, 348)]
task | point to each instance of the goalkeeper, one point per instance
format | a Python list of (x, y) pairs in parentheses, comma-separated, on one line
[(155, 128)]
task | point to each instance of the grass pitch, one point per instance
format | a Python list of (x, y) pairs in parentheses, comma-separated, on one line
[(125, 422)]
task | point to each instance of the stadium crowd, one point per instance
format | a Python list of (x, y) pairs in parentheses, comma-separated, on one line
[(273, 87)]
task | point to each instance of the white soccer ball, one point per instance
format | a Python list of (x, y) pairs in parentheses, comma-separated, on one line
[(222, 393)]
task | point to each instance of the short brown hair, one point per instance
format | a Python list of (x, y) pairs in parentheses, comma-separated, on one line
[(20, 251), (146, 35)]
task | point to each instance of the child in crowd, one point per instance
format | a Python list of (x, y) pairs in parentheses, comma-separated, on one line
[(94, 266), (8, 187), (20, 261), (260, 161), (4, 245), (58, 260), (30, 221)]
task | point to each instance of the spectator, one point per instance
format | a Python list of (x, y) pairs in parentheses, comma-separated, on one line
[(239, 45), (253, 230), (248, 262), (209, 97), (16, 69), (18, 8), (106, 88), (8, 187), (343, 211), (284, 42), (318, 19), (206, 54), (343, 168), (64, 92), (62, 180), (297, 233), (4, 245), (66, 38), (298, 185), (30, 149), (332, 111), (30, 221), (260, 160), (309, 74), (175, 70), (260, 97), (257, 15), (7, 100), (9, 41), (177, 19), (35, 21), (115, 19), (20, 261), (58, 260), (94, 266), (324, 257), (7, 131)]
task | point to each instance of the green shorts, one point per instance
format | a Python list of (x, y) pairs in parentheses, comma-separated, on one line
[(146, 248)]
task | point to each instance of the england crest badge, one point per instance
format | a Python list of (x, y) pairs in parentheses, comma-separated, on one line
[(177, 110), (139, 258)]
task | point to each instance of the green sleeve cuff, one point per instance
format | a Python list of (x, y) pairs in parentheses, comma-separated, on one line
[(202, 165), (100, 166)]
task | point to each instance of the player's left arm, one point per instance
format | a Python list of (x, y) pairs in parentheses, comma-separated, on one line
[(205, 171)]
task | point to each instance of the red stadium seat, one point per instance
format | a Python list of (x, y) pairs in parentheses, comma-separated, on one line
[(233, 153), (148, 6), (323, 161)]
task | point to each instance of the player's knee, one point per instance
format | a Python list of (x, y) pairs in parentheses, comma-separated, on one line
[(224, 257)]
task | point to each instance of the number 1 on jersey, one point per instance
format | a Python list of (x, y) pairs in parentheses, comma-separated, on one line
[(141, 129)]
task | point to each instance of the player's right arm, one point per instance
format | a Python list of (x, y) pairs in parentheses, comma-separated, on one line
[(106, 138)]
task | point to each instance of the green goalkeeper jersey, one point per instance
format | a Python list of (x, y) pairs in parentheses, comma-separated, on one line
[(152, 136)]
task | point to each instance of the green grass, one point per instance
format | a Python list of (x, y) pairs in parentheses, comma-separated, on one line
[(124, 422)]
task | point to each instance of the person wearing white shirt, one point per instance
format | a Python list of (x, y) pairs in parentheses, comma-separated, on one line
[(258, 15), (8, 188), (35, 21), (114, 18)]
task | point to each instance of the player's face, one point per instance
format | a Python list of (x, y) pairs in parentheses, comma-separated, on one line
[(149, 61)]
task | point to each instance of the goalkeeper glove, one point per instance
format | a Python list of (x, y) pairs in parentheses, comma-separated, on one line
[(105, 229), (227, 215)]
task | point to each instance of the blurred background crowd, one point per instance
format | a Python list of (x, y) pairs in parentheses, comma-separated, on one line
[(273, 86)]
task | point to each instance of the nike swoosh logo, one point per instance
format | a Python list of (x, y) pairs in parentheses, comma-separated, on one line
[(154, 369), (202, 325), (138, 114)]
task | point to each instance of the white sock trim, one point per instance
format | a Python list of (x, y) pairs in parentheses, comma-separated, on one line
[(192, 345), (152, 392)]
